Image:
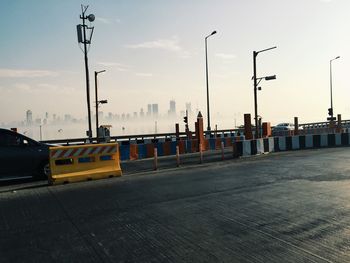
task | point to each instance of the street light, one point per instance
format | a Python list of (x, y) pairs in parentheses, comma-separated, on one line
[(97, 102), (255, 54), (206, 67), (330, 76), (81, 31)]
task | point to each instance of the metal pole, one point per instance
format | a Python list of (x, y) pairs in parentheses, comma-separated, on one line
[(200, 153), (87, 75), (255, 53), (222, 151), (155, 162), (330, 76), (96, 105), (206, 67), (255, 96), (177, 156)]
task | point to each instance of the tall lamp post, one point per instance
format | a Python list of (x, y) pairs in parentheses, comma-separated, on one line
[(97, 102), (81, 31), (255, 54), (206, 71), (330, 111)]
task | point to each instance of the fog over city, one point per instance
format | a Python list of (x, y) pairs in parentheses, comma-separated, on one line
[(153, 52)]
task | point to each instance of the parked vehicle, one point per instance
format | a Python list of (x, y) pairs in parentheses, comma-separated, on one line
[(21, 156), (283, 127)]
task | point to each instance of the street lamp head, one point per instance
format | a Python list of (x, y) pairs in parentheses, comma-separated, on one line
[(213, 33), (335, 58), (91, 17), (101, 71), (270, 77), (103, 101)]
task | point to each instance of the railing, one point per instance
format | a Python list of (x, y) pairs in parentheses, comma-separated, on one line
[(325, 124), (142, 137), (172, 136)]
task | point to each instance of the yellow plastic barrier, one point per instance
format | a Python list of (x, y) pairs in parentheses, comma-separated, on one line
[(84, 162)]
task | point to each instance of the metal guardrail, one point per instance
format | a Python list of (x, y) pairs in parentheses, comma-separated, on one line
[(138, 137), (169, 136), (325, 124)]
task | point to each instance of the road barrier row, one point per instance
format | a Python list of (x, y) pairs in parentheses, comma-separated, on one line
[(271, 144), (243, 147), (141, 151), (289, 143)]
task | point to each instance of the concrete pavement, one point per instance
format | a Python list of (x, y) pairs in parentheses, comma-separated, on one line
[(284, 207)]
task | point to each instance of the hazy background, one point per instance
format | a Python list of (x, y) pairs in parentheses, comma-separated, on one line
[(153, 52)]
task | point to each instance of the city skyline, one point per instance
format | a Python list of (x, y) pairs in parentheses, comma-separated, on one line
[(155, 50), (154, 113)]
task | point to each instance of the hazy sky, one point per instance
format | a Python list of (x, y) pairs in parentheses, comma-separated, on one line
[(153, 51)]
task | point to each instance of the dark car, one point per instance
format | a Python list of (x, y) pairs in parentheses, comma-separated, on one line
[(21, 156)]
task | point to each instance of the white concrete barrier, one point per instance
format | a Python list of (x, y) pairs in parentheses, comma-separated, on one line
[(309, 143)]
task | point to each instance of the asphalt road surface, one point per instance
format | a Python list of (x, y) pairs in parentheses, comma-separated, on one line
[(283, 207)]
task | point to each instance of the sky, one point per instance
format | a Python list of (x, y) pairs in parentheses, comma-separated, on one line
[(153, 52)]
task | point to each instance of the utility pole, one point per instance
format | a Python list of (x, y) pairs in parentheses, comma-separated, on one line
[(81, 31)]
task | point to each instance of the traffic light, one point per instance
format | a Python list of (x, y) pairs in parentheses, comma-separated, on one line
[(186, 120), (330, 112)]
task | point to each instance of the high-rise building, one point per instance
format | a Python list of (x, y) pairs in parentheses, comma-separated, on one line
[(67, 117), (149, 109), (29, 117), (100, 115), (155, 109), (142, 114), (38, 121), (172, 108), (189, 108)]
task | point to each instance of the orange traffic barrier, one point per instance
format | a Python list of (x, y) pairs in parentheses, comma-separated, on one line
[(167, 148), (182, 147), (133, 152), (150, 150)]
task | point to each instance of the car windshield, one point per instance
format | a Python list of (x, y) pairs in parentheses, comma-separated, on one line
[(8, 139)]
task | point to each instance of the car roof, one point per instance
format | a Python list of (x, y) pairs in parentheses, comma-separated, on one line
[(6, 131)]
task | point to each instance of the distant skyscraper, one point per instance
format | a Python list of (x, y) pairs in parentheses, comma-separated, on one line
[(155, 109), (38, 121), (135, 114), (172, 109), (29, 117), (142, 114), (189, 108), (149, 109), (67, 117), (100, 115)]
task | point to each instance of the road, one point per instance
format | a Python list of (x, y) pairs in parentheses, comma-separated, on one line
[(283, 207)]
